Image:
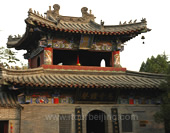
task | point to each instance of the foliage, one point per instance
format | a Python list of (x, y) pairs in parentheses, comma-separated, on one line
[(164, 114), (155, 65), (7, 56), (161, 65)]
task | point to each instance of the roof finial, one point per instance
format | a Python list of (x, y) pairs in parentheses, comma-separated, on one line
[(90, 11), (87, 15), (130, 21), (19, 36), (135, 21), (143, 20), (120, 23), (124, 22), (10, 38), (53, 14), (56, 9), (102, 23), (30, 10)]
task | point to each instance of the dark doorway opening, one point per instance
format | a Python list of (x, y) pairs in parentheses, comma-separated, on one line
[(38, 61), (86, 58), (3, 126), (96, 122)]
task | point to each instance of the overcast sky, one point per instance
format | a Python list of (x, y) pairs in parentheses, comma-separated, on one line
[(14, 12)]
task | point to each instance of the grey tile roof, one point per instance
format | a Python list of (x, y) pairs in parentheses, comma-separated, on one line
[(59, 78), (68, 24), (82, 25), (8, 100)]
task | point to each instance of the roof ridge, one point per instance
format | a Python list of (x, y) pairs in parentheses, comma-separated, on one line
[(7, 71), (146, 74), (83, 72), (124, 25), (34, 15)]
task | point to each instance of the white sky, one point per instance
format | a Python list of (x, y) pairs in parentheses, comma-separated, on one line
[(14, 12)]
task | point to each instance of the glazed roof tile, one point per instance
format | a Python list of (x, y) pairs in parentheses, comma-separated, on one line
[(40, 77), (8, 100), (90, 26), (84, 25)]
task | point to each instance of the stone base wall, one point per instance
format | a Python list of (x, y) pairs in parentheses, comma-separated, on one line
[(12, 115), (45, 118)]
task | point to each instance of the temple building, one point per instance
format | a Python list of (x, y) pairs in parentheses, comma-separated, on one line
[(75, 82)]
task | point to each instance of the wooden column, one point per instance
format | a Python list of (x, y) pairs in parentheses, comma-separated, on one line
[(48, 56)]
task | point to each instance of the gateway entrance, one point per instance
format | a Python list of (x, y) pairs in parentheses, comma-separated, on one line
[(3, 126), (96, 122)]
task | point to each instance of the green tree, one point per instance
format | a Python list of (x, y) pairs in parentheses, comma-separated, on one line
[(164, 114), (161, 65), (155, 65), (8, 57)]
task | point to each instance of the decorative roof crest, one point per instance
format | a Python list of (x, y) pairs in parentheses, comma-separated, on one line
[(56, 17), (53, 14), (87, 15), (143, 20)]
